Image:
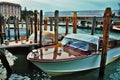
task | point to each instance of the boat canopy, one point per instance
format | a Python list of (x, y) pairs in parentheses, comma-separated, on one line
[(83, 37)]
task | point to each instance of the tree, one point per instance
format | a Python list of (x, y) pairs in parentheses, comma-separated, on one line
[(25, 13)]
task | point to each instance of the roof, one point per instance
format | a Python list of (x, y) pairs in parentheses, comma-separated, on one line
[(9, 3), (84, 37)]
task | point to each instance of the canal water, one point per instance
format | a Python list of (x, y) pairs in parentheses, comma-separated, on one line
[(28, 71)]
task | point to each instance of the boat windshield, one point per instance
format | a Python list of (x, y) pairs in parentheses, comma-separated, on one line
[(80, 45), (66, 41)]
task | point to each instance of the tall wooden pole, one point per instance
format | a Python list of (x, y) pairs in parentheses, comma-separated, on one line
[(22, 23), (15, 35), (38, 24), (74, 20), (45, 23), (51, 24), (18, 33), (106, 28), (27, 34), (1, 36), (56, 26), (5, 63), (31, 24), (9, 28), (41, 19), (4, 27), (93, 26), (67, 21), (35, 26)]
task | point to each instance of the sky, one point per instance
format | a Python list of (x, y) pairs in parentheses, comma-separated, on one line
[(66, 5)]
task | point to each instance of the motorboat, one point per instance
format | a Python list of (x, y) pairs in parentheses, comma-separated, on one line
[(76, 52), (117, 27)]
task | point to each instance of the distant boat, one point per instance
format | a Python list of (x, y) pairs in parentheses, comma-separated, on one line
[(76, 52), (117, 27)]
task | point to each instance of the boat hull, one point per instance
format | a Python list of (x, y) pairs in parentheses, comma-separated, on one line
[(78, 64)]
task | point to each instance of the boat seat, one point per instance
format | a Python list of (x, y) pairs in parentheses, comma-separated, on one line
[(23, 38)]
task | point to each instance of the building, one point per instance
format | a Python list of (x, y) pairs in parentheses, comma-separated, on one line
[(8, 9)]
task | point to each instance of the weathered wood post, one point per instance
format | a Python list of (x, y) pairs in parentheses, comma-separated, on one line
[(22, 23), (45, 23), (29, 27), (41, 19), (35, 26), (74, 20), (51, 24), (67, 22), (4, 27), (38, 24), (5, 63), (18, 32), (31, 24), (9, 28), (27, 34), (15, 32), (1, 34), (56, 26), (106, 28), (93, 26)]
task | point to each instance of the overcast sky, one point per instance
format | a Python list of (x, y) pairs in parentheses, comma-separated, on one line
[(66, 5)]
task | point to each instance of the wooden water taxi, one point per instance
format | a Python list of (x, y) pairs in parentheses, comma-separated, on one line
[(76, 52)]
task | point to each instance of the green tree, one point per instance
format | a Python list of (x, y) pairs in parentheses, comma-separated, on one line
[(25, 13)]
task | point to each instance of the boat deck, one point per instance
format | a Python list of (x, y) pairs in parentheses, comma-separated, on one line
[(53, 53)]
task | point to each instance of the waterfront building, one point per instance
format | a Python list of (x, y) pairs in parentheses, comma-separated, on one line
[(8, 9)]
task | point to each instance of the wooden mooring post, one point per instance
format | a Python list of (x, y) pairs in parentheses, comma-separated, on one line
[(9, 28), (67, 22), (4, 27), (45, 23), (35, 26), (27, 34), (106, 28), (1, 33), (18, 32), (31, 24), (56, 26), (51, 24), (22, 23), (93, 26), (74, 20), (38, 24), (15, 30), (41, 19), (5, 63)]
